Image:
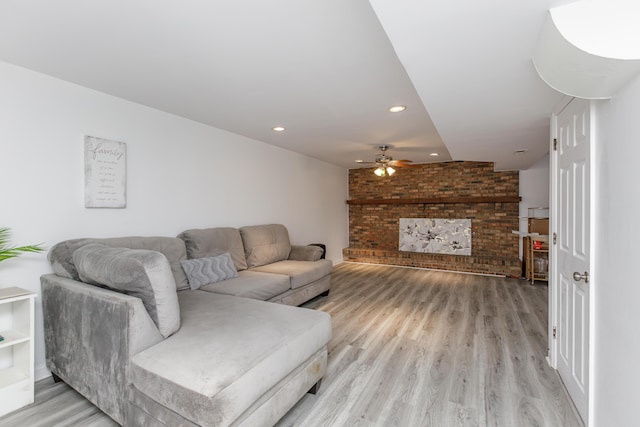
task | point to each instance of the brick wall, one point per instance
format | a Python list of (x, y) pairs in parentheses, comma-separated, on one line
[(373, 228)]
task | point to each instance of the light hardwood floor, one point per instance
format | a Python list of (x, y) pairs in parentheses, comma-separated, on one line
[(410, 347)]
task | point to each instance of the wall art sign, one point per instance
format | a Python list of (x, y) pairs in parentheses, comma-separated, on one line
[(435, 235), (105, 173)]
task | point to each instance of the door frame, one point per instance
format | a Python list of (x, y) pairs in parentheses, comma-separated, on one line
[(552, 358), (554, 289)]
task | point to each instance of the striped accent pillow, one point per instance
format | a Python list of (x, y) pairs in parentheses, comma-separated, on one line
[(204, 271)]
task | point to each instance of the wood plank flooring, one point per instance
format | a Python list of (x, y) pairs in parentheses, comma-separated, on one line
[(411, 348), (425, 348)]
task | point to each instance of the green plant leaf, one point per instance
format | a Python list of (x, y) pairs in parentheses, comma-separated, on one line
[(7, 251)]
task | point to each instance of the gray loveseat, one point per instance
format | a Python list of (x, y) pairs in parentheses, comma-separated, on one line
[(124, 328)]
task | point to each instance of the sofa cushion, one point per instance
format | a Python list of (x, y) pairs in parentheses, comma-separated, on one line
[(252, 284), (300, 272), (208, 242), (203, 271), (305, 253), (228, 352), (139, 273), (60, 255), (265, 244)]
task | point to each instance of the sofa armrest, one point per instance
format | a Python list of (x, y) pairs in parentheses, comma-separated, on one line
[(305, 253), (90, 335)]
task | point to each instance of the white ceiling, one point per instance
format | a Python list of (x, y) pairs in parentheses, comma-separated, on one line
[(327, 70)]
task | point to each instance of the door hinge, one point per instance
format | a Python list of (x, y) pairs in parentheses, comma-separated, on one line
[(555, 144), (555, 332), (555, 238)]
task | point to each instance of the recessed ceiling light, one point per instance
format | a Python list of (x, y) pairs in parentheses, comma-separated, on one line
[(434, 154), (520, 152), (278, 129), (397, 108)]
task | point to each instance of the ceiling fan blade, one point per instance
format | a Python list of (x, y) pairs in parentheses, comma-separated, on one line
[(383, 160), (401, 163)]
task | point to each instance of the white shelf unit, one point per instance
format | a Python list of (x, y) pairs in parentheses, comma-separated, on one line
[(16, 349)]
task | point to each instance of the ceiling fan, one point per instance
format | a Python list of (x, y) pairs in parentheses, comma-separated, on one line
[(386, 162)]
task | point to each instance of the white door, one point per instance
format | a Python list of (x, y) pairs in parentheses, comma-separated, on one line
[(571, 281)]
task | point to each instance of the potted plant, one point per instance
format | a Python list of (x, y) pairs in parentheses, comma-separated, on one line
[(7, 251)]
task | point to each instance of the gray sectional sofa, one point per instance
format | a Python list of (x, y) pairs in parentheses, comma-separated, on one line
[(132, 324)]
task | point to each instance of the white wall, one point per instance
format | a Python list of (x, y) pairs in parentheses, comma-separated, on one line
[(616, 285), (180, 174), (534, 191)]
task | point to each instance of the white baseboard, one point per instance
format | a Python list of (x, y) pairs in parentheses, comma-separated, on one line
[(41, 372), (428, 269)]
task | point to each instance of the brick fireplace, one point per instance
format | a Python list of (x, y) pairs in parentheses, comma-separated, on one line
[(454, 190)]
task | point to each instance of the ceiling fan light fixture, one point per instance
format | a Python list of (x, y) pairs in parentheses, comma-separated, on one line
[(383, 163), (397, 108), (384, 171)]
